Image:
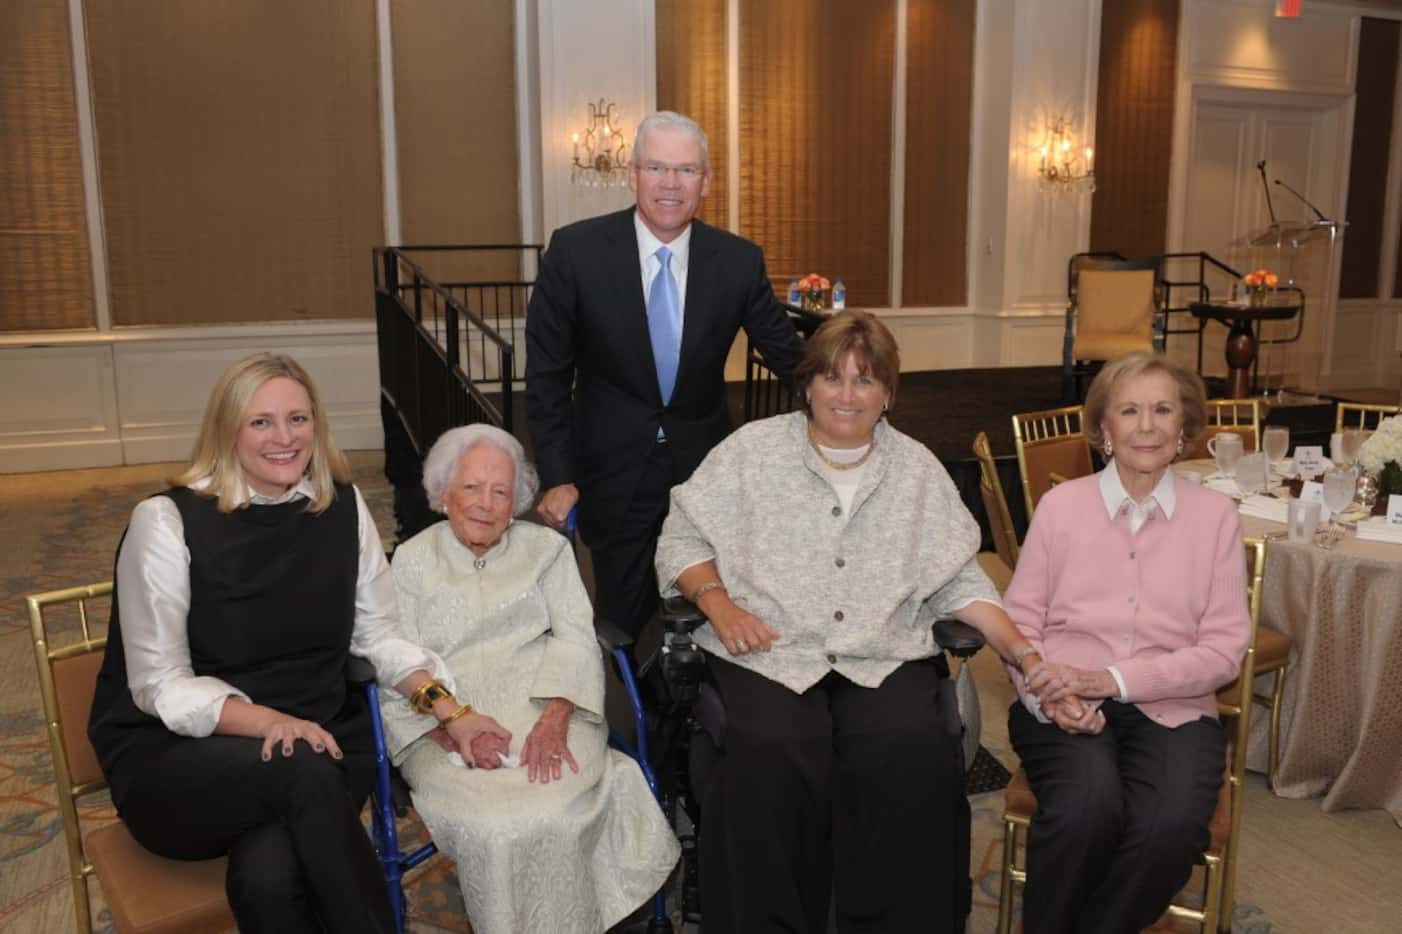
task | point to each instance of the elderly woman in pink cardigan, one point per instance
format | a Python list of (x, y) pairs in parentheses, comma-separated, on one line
[(1131, 586)]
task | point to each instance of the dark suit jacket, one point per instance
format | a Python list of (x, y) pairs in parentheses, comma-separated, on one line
[(592, 398)]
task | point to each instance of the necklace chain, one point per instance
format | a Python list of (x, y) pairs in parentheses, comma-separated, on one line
[(837, 465)]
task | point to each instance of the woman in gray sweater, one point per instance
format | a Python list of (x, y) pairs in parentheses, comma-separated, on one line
[(821, 546)]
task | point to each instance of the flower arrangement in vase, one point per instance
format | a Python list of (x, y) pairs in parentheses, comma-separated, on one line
[(1381, 458), (1258, 283), (812, 289)]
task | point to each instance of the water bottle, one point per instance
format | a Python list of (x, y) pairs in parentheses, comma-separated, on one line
[(839, 295), (795, 298)]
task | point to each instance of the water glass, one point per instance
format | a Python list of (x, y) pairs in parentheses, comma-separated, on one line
[(1339, 486), (1275, 441), (1352, 441), (1226, 450), (1302, 519), (1253, 474)]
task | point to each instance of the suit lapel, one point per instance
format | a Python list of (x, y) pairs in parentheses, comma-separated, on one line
[(626, 275), (700, 285)]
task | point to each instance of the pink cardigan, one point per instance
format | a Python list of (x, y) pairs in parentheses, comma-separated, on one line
[(1166, 607)]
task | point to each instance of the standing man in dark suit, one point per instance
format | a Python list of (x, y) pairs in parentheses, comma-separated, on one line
[(627, 334)]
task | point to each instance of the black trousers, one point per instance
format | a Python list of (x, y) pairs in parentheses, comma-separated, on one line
[(299, 858), (842, 786), (1121, 817), (623, 553)]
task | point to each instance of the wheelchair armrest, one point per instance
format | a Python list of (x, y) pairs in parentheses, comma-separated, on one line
[(679, 614), (610, 636), (957, 638), (359, 671)]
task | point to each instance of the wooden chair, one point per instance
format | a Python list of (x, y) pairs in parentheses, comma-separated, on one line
[(1362, 415), (1114, 306), (1230, 416), (1000, 520), (1219, 859), (1050, 442), (145, 892)]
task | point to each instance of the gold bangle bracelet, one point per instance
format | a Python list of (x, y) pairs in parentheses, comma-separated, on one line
[(420, 691), (429, 694), (705, 589), (461, 712)]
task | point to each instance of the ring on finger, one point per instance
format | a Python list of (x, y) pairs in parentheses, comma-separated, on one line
[(741, 645)]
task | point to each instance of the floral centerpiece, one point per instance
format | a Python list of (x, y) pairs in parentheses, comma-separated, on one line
[(1381, 457), (1258, 283), (812, 288)]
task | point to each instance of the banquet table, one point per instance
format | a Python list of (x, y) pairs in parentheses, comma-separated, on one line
[(1341, 715)]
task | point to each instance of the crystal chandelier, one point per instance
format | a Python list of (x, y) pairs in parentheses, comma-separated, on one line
[(600, 154), (1063, 168)]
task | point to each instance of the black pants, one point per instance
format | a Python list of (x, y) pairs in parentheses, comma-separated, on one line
[(861, 788), (624, 551), (1121, 817), (299, 858)]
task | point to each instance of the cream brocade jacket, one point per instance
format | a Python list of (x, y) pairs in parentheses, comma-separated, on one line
[(853, 591)]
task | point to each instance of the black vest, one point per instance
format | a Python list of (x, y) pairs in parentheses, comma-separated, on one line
[(272, 605)]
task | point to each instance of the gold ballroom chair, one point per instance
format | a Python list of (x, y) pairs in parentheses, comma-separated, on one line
[(1219, 859), (1230, 416), (998, 566), (1362, 415), (1051, 447), (146, 893), (1114, 306)]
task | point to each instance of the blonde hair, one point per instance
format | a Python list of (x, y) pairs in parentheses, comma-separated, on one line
[(215, 457), (1192, 395)]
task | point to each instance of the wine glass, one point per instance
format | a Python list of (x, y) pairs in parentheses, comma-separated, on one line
[(1275, 442), (1352, 440), (1339, 486)]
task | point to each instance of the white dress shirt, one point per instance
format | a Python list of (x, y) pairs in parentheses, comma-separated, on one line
[(153, 594), (648, 246)]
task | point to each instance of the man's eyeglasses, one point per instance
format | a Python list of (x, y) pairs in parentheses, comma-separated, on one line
[(658, 170)]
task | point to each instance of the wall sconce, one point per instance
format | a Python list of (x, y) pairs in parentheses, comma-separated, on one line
[(1063, 167), (600, 154)]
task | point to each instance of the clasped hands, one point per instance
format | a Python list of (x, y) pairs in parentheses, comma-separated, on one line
[(1063, 691), (483, 742)]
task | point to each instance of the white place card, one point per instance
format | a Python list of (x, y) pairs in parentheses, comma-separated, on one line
[(1313, 492), (1309, 461), (1394, 509)]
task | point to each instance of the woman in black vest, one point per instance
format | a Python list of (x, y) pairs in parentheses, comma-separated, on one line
[(223, 718)]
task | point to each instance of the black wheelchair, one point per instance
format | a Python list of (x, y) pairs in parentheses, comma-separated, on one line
[(680, 736)]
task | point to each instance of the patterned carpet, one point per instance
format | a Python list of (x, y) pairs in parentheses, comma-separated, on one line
[(62, 529)]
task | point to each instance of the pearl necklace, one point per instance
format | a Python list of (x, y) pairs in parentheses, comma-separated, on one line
[(837, 465)]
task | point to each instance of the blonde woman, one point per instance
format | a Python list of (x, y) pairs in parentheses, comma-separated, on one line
[(222, 718)]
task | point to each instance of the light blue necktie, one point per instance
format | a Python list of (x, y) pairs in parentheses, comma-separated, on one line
[(664, 325)]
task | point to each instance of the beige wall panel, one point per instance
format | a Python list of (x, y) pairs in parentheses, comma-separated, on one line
[(239, 149), (455, 110), (45, 271)]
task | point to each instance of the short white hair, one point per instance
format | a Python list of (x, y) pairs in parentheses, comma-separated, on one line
[(670, 119), (441, 465)]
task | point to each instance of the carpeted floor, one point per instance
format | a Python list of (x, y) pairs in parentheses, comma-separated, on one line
[(1301, 870)]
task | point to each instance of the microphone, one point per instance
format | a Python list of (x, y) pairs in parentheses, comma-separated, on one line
[(1317, 212), (1270, 208)]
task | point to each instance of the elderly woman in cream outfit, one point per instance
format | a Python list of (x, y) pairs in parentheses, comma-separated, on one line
[(571, 840)]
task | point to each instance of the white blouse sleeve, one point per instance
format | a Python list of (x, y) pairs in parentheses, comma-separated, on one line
[(153, 599), (376, 635)]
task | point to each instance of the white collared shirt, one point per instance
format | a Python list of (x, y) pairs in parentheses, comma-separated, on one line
[(153, 593), (648, 244), (1117, 501)]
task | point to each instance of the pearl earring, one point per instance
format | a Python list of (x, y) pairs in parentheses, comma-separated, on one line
[(1109, 449), (1180, 444)]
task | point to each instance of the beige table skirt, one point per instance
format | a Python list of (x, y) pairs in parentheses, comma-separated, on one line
[(1341, 715)]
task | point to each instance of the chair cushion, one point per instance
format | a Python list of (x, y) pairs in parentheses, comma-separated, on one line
[(1018, 799), (1101, 345), (997, 570), (1272, 649), (148, 893)]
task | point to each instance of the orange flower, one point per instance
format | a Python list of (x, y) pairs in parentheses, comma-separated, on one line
[(1271, 280)]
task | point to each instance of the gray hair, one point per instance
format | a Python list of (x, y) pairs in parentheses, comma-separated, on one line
[(452, 446), (670, 119)]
